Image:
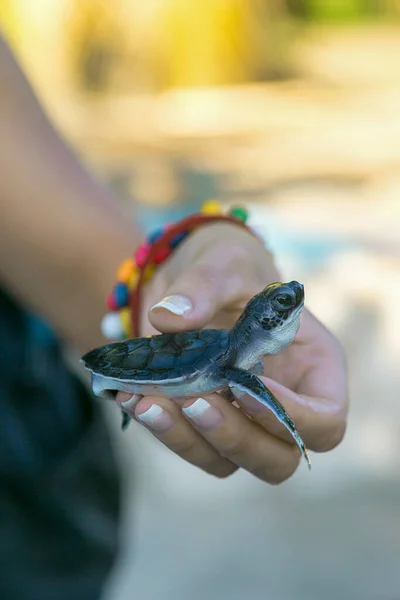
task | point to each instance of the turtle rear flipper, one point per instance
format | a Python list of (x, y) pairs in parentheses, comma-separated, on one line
[(126, 419), (250, 384)]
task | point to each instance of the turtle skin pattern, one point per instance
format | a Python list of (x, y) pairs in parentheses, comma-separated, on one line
[(163, 357)]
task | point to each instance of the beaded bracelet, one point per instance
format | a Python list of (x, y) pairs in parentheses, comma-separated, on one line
[(122, 320)]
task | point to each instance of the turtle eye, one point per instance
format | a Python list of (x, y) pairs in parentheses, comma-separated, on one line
[(284, 301)]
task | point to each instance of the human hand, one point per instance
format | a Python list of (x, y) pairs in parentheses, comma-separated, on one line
[(218, 269)]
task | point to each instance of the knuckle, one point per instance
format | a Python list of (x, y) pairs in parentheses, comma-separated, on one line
[(236, 445), (222, 469), (333, 438), (189, 449), (183, 446), (208, 276), (283, 471)]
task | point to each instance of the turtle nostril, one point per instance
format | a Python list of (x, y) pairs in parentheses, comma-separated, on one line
[(300, 293), (298, 289)]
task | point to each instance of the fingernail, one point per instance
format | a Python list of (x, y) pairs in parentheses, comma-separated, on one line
[(178, 305), (156, 418), (203, 414), (129, 405)]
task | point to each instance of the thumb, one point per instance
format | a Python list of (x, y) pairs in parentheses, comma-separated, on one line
[(201, 291)]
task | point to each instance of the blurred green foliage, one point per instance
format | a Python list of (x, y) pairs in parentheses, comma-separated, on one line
[(349, 11)]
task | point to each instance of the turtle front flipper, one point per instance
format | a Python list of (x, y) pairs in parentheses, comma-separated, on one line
[(236, 393), (250, 384), (233, 393)]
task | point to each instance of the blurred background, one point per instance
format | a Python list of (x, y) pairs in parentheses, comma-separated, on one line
[(292, 107)]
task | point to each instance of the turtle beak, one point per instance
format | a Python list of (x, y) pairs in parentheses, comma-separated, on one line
[(298, 289)]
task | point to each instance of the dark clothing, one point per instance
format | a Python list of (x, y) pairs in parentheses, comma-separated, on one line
[(59, 483)]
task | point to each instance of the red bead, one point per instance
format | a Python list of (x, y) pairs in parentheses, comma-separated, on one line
[(112, 303), (161, 255), (142, 254)]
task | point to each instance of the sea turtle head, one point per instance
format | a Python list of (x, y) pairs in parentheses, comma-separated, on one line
[(273, 315)]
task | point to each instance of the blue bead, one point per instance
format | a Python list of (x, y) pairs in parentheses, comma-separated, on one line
[(155, 236), (121, 294), (178, 239)]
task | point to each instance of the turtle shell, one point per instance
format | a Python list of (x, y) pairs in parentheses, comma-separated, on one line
[(165, 357)]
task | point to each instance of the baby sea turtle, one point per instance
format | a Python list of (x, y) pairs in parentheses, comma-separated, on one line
[(194, 363)]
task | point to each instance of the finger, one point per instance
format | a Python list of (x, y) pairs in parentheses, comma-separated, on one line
[(319, 415), (221, 276), (165, 421), (323, 389), (319, 403), (240, 440)]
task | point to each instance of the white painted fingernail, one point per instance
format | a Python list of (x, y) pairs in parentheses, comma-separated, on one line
[(178, 305), (203, 414), (156, 418), (131, 403), (197, 408)]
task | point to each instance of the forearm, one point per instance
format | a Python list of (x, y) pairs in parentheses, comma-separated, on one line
[(61, 233)]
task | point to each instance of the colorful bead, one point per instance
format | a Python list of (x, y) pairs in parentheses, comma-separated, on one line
[(125, 270), (155, 236), (121, 294), (149, 273), (134, 279), (112, 303), (161, 255), (125, 316), (212, 207), (111, 326), (239, 213), (178, 239), (142, 254)]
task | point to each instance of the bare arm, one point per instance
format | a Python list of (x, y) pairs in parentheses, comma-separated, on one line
[(62, 235)]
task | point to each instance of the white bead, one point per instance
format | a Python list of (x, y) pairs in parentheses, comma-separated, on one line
[(111, 326)]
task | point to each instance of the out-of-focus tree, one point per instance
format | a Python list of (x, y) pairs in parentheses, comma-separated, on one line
[(9, 20), (350, 10), (127, 46), (216, 42), (33, 31), (177, 43), (95, 36)]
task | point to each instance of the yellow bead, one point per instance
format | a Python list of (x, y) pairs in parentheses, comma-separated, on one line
[(126, 321), (212, 207), (149, 273), (134, 278), (125, 271)]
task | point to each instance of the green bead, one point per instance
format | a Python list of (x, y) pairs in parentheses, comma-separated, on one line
[(240, 213)]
